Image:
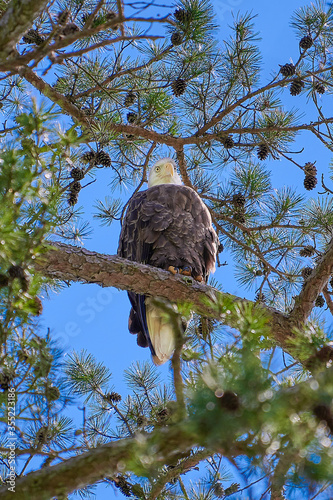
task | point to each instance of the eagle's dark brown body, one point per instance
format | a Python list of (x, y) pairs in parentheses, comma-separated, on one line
[(166, 225)]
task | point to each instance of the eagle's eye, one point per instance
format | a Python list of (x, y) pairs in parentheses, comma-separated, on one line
[(157, 169)]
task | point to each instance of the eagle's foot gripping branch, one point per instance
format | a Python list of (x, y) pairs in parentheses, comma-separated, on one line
[(174, 270), (185, 271)]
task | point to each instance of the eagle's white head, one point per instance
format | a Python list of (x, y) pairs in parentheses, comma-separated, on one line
[(163, 172)]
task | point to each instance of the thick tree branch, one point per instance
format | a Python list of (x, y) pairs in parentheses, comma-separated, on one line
[(71, 263), (176, 142), (16, 21), (98, 463), (76, 264), (313, 287)]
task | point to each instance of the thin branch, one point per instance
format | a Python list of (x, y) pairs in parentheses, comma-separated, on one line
[(274, 84), (103, 43), (328, 299), (172, 473), (183, 168), (123, 72)]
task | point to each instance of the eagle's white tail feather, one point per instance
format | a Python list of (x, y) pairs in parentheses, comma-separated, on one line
[(161, 334)]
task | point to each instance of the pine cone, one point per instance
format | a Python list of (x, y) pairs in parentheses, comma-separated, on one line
[(320, 88), (43, 435), (72, 199), (63, 17), (306, 271), (132, 117), (260, 297), (182, 15), (229, 401), (163, 414), (228, 142), (123, 485), (113, 397), (238, 200), (140, 420), (218, 490), (75, 187), (5, 380), (306, 42), (22, 355), (324, 414), (102, 158), (69, 29), (287, 70), (110, 16), (3, 280), (52, 393), (233, 488), (32, 36), (88, 157), (178, 87), (16, 272), (77, 173), (307, 251), (87, 111), (296, 86), (310, 169), (129, 99), (176, 38), (320, 301), (38, 306), (310, 182), (262, 151)]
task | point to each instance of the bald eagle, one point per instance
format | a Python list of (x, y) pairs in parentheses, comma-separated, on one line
[(166, 226)]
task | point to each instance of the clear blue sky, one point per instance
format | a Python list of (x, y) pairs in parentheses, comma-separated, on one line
[(86, 316)]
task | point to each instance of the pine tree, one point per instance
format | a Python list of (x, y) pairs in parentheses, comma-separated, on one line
[(251, 385)]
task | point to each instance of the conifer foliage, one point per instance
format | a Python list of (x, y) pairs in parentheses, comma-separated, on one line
[(90, 97)]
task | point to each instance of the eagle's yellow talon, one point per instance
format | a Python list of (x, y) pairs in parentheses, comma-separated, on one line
[(174, 270), (198, 278), (187, 271)]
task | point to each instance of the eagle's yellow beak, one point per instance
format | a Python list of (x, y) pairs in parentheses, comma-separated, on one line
[(169, 168)]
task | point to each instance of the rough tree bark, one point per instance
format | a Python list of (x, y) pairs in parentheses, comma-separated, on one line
[(16, 21), (71, 263)]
